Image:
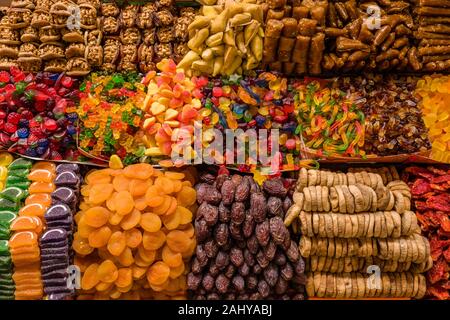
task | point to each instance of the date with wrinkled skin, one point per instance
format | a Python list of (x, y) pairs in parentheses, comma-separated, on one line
[(270, 250), (262, 233), (271, 274), (236, 257), (202, 230), (209, 213), (242, 191), (275, 187), (224, 213), (238, 212), (220, 180), (221, 234), (258, 207), (248, 227), (275, 207), (212, 196), (227, 191), (277, 230)]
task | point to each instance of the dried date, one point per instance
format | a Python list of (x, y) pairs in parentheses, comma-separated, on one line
[(258, 207), (281, 286), (212, 296), (238, 283), (238, 212), (235, 231), (236, 179), (287, 272), (222, 283), (200, 255), (253, 244), (220, 181), (263, 289), (248, 227), (262, 259), (229, 271), (242, 190), (249, 258), (212, 196), (262, 233), (221, 234), (271, 274), (299, 266), (287, 203), (280, 258), (209, 213), (251, 282), (275, 207), (257, 269), (244, 270), (275, 187), (213, 270), (227, 190), (202, 230), (193, 281), (211, 248), (201, 189), (208, 282), (222, 260), (224, 213), (277, 230), (236, 257), (270, 250), (293, 253)]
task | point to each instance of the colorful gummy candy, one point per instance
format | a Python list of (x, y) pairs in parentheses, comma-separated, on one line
[(262, 102), (330, 124), (435, 94), (172, 106), (34, 117), (135, 234), (110, 116)]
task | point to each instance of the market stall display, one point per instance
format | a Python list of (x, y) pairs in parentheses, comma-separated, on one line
[(431, 200), (346, 218), (244, 251)]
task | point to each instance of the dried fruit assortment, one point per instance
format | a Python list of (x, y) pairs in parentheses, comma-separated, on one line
[(34, 114), (435, 94), (244, 251), (225, 39), (393, 119), (352, 220), (56, 241), (47, 36), (431, 199), (135, 235)]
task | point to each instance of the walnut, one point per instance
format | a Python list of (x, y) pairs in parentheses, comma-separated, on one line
[(129, 14), (75, 50), (162, 50), (60, 12), (110, 10), (164, 3), (44, 4), (19, 18), (77, 67), (145, 17), (179, 51), (94, 55), (111, 50), (149, 36), (29, 64), (181, 28), (163, 18), (129, 53), (41, 19), (88, 16), (9, 36), (55, 65), (28, 50), (29, 34), (146, 53), (95, 3), (7, 50), (51, 50), (93, 37), (165, 34), (110, 25), (187, 11), (48, 34), (130, 36)]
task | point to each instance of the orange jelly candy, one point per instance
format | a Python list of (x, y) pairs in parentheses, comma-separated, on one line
[(44, 165), (25, 223), (41, 175), (33, 210), (43, 198), (41, 187)]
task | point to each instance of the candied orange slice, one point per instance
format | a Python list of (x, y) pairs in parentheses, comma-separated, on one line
[(41, 175), (138, 187), (107, 271), (43, 198), (153, 240), (153, 196), (117, 243), (178, 241), (81, 246), (186, 197), (177, 271), (126, 258), (31, 277), (121, 183), (98, 176), (150, 222), (33, 210), (185, 215), (148, 256), (90, 278), (172, 221), (158, 273), (23, 239), (125, 278), (172, 259), (133, 237), (140, 203), (25, 259), (141, 171), (41, 187), (100, 192), (25, 250), (44, 165), (96, 216), (26, 223), (124, 202), (99, 237)]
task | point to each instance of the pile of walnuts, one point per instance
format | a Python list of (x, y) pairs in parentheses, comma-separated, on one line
[(244, 251)]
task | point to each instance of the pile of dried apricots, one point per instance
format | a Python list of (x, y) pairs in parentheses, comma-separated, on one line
[(135, 235)]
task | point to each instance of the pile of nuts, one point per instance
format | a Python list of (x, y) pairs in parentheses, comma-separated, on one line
[(350, 221), (244, 251)]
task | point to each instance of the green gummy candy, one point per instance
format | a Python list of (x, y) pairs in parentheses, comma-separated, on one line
[(5, 234), (13, 194), (7, 216), (21, 185), (6, 281), (6, 271), (7, 296), (5, 261), (7, 287), (4, 248), (20, 163), (12, 178), (6, 204)]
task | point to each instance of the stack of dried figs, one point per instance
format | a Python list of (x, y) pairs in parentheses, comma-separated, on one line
[(352, 224), (244, 250)]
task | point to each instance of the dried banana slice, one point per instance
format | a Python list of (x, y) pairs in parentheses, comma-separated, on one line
[(303, 179), (292, 214)]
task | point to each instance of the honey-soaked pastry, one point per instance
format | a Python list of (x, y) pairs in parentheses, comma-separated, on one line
[(19, 17), (44, 4), (88, 16), (146, 15), (130, 36), (29, 64), (77, 67), (162, 50), (128, 16), (110, 25), (94, 55), (93, 37), (163, 18), (109, 9), (41, 18), (75, 50), (60, 13), (51, 51), (29, 34), (11, 51), (146, 55), (55, 65), (49, 34), (111, 50), (28, 49), (72, 35), (165, 34), (149, 36)]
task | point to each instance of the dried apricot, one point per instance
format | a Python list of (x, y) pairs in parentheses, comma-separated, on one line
[(98, 176), (141, 262), (83, 229), (162, 209), (150, 222), (191, 248), (172, 221), (125, 290), (131, 220), (139, 187), (138, 272), (126, 258), (185, 215), (164, 184), (121, 183), (99, 238), (107, 271), (153, 240), (101, 192), (117, 243), (133, 237), (177, 271), (82, 247), (125, 278), (188, 229), (96, 216), (115, 294), (115, 219), (140, 203), (104, 254), (153, 197), (148, 256), (172, 259), (141, 171), (177, 185), (173, 206), (103, 286), (178, 241), (186, 197), (174, 175), (158, 273), (111, 202), (124, 202), (85, 190), (90, 278)]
